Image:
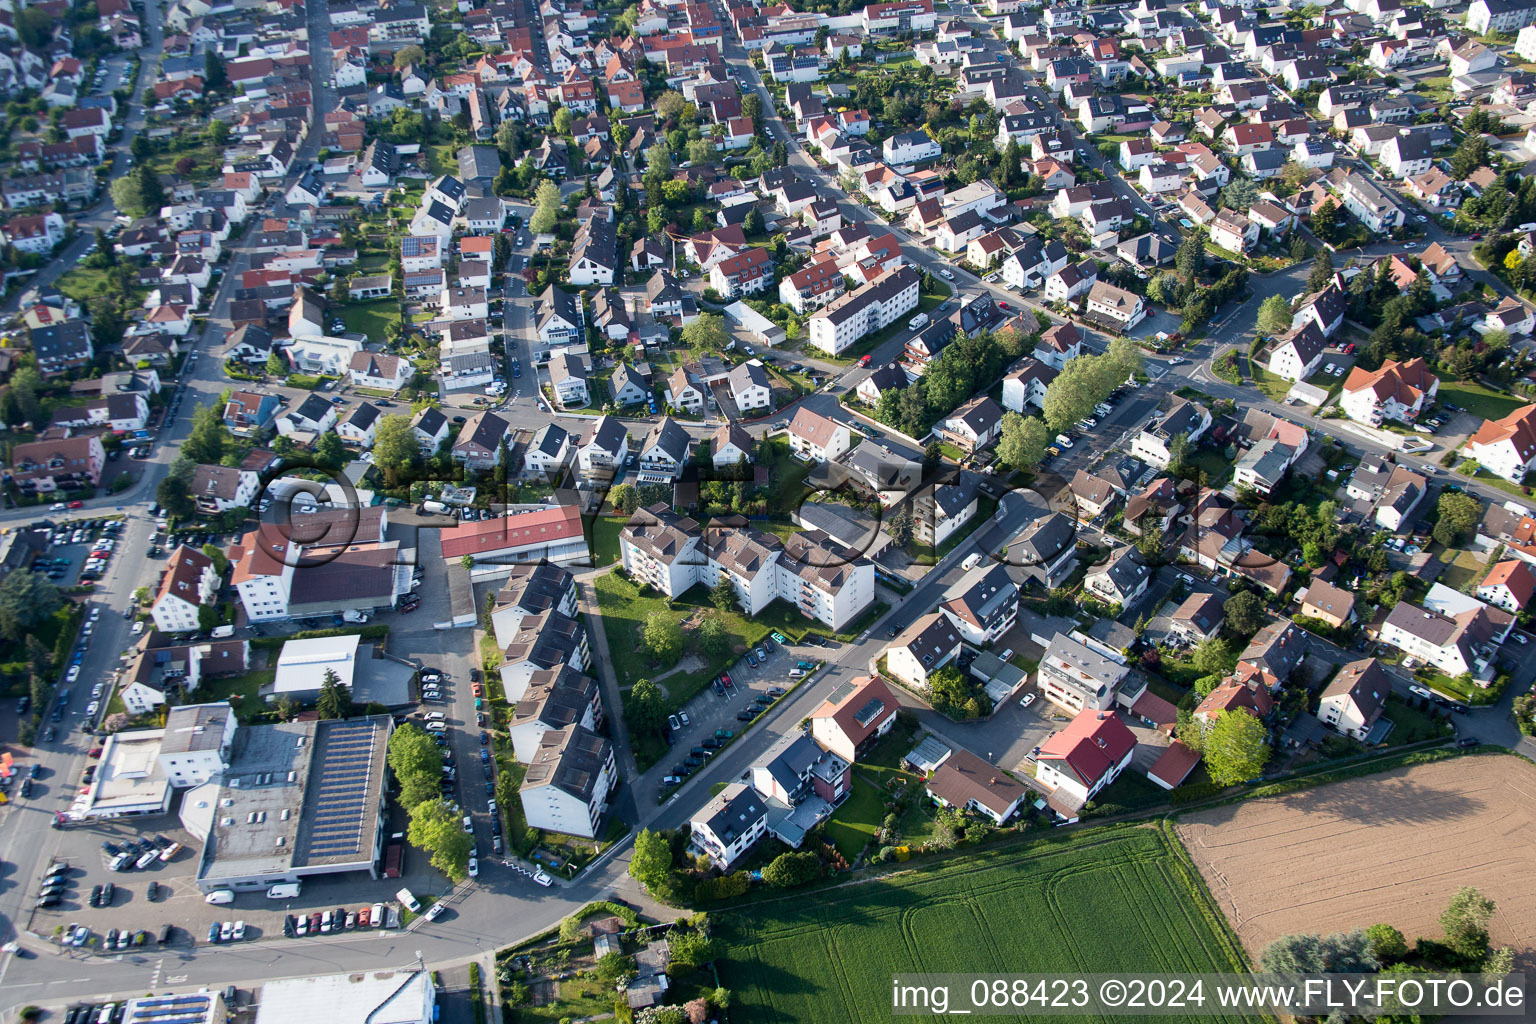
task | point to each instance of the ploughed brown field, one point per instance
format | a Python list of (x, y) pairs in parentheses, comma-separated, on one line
[(1392, 847)]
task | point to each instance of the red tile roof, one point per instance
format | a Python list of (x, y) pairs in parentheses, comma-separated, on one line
[(1091, 744), (493, 535)]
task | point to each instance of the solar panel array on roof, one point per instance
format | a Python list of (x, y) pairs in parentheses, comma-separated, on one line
[(186, 1009), (869, 711), (340, 796)]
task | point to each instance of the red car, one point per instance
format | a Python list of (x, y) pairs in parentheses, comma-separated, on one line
[(77, 503), (725, 678), (1002, 305), (1349, 349), (864, 360), (406, 609)]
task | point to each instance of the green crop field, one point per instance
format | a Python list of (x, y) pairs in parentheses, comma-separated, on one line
[(1121, 899)]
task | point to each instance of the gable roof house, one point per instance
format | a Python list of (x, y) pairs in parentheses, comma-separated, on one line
[(985, 609), (854, 717), (1354, 699), (1183, 418), (1077, 762), (922, 649), (1121, 579), (1506, 446), (966, 782)]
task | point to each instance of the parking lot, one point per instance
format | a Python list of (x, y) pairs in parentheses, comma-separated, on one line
[(177, 900), (721, 708)]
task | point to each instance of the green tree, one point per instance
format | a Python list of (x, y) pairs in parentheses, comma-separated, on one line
[(215, 78), (562, 120), (417, 762), (1214, 657), (1274, 315), (1339, 953), (706, 334), (408, 55), (1459, 514), (288, 708), (646, 707), (435, 828), (901, 525), (702, 151), (650, 862), (714, 637), (1240, 194), (662, 636), (933, 457), (1189, 258), (138, 193), (1322, 271), (1465, 921), (547, 208), (209, 438), (395, 448), (174, 492), (1387, 943), (1245, 615), (27, 600), (723, 594), (693, 949), (1023, 442), (329, 451), (335, 699), (277, 366), (1236, 748), (625, 498), (788, 870)]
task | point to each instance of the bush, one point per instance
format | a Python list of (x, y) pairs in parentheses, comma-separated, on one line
[(722, 888)]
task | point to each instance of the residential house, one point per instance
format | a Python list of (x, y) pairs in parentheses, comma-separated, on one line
[(923, 648)]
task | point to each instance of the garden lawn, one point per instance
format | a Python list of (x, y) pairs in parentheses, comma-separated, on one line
[(243, 692), (1478, 400), (579, 999), (1410, 725), (858, 819), (1122, 897), (605, 540), (1215, 466), (1273, 386), (371, 318)]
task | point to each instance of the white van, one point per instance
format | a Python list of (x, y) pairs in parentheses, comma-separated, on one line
[(918, 321), (971, 561), (284, 891), (408, 901), (220, 896)]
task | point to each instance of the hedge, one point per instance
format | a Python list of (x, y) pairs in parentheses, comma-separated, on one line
[(377, 632)]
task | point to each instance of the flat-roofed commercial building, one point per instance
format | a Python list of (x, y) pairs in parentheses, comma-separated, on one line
[(298, 799)]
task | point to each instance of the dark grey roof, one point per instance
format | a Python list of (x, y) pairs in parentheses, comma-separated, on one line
[(313, 408), (479, 162), (1042, 541), (550, 438), (364, 416)]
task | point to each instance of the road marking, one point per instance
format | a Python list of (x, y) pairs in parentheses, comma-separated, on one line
[(176, 979)]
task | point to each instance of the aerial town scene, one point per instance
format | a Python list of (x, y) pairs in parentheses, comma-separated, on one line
[(677, 511)]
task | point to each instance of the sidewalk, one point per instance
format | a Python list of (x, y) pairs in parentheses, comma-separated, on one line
[(613, 699)]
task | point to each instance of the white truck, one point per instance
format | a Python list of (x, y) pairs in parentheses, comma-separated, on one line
[(220, 632), (971, 561), (435, 507), (920, 320)]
